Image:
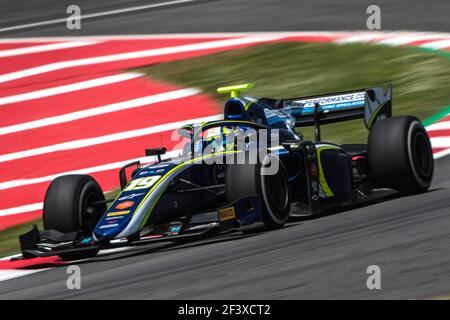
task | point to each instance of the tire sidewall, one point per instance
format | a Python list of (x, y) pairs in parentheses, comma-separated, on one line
[(281, 174), (416, 128), (66, 202), (89, 191), (394, 160)]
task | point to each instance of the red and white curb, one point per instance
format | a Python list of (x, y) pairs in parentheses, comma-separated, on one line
[(67, 106), (20, 268)]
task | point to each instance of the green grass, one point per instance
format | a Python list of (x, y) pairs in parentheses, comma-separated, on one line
[(9, 238), (421, 78)]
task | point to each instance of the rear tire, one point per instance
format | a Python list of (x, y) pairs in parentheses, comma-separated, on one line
[(400, 155), (70, 205), (246, 180)]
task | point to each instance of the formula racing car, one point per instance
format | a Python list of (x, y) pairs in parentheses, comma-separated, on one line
[(249, 169)]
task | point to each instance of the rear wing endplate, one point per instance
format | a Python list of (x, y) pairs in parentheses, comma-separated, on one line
[(370, 104)]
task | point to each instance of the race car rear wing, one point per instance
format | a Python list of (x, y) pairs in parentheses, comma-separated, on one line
[(370, 104)]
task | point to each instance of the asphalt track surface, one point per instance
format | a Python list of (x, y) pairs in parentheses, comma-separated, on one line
[(325, 257), (224, 16)]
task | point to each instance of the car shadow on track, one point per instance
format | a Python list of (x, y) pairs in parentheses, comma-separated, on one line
[(232, 236), (384, 197), (143, 250)]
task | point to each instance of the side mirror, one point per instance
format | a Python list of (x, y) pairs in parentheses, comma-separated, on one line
[(155, 152), (123, 174)]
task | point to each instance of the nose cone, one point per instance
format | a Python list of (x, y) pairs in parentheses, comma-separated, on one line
[(124, 216), (111, 225)]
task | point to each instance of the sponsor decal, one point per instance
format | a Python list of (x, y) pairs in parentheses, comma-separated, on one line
[(86, 240), (227, 214), (350, 97), (147, 172), (174, 230), (124, 205), (115, 218), (327, 103), (159, 165), (118, 213), (109, 226), (131, 196)]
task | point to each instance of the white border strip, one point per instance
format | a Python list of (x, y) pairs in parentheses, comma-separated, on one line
[(44, 93), (21, 209), (133, 55), (438, 44), (410, 38), (88, 142), (8, 274), (86, 113), (45, 48), (440, 142), (439, 125), (442, 153), (104, 167)]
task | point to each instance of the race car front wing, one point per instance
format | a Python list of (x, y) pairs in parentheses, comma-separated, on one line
[(240, 213)]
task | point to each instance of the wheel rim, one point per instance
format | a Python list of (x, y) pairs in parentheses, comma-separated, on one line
[(423, 157), (91, 210), (276, 194)]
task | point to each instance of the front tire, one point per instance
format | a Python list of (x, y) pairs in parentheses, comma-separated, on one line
[(74, 203), (400, 155)]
